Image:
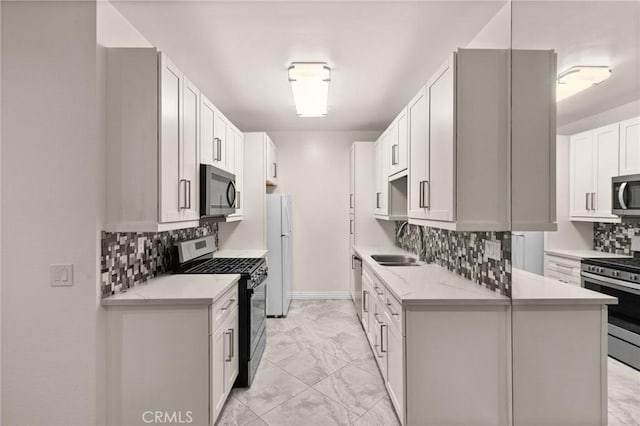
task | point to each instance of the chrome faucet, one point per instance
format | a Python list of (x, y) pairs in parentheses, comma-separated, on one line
[(420, 229), (402, 226)]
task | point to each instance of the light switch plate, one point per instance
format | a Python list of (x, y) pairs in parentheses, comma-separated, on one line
[(492, 249), (61, 275)]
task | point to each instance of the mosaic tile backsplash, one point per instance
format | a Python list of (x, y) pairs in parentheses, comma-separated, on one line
[(614, 237), (130, 258), (462, 253)]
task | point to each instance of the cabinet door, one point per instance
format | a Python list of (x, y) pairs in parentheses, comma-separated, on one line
[(231, 351), (403, 140), (439, 190), (606, 157), (172, 188), (217, 372), (395, 369), (391, 162), (220, 137), (352, 178), (190, 159), (630, 147), (417, 112), (239, 173), (230, 150), (271, 168), (381, 339), (581, 173), (207, 142), (380, 176)]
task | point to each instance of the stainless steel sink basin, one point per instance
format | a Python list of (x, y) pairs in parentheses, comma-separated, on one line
[(396, 260)]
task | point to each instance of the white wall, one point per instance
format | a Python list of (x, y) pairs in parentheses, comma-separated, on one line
[(52, 201), (314, 169), (497, 33), (570, 235)]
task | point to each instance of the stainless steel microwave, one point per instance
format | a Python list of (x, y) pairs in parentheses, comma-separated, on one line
[(217, 191), (626, 195)]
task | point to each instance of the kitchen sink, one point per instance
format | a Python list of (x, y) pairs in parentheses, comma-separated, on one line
[(396, 260)]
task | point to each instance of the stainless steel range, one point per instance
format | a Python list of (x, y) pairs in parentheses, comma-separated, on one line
[(620, 278), (196, 257)]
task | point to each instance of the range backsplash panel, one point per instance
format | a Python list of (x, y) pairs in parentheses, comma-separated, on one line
[(462, 253), (130, 258), (614, 237)]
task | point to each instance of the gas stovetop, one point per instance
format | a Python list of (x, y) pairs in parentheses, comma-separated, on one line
[(623, 268), (223, 265)]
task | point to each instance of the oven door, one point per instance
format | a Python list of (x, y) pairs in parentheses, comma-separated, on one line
[(258, 312), (624, 318), (217, 191), (626, 195)]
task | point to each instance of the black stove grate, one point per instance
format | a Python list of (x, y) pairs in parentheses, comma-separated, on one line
[(223, 265)]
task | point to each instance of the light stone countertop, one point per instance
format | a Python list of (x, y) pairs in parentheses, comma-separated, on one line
[(429, 284), (253, 254), (581, 254), (533, 289), (178, 289)]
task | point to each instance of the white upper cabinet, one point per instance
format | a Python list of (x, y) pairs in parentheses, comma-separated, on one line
[(594, 157), (271, 168), (190, 158), (153, 141), (381, 176), (398, 144), (630, 147), (208, 144), (417, 112)]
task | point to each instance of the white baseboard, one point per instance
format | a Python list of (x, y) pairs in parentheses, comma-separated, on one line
[(325, 295)]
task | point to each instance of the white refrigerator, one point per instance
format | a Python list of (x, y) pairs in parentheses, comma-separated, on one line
[(279, 235)]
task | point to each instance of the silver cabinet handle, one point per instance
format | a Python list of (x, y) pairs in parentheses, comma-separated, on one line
[(218, 143), (365, 300), (378, 291), (229, 303), (621, 191), (229, 355), (350, 201), (275, 170), (182, 194), (188, 185), (378, 199), (238, 200), (383, 348), (593, 201), (424, 194), (586, 201), (351, 226), (390, 310), (394, 155)]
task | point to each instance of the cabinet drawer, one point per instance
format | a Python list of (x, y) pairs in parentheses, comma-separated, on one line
[(380, 339), (222, 308), (563, 266), (379, 291), (568, 279), (393, 309)]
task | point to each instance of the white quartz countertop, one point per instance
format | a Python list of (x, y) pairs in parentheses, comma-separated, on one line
[(532, 289), (428, 284), (179, 289), (250, 253), (581, 254)]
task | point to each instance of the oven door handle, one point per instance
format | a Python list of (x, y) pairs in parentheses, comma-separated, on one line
[(621, 194), (613, 283)]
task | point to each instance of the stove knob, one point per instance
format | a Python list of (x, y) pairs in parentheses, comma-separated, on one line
[(601, 270), (634, 277), (616, 273), (590, 268)]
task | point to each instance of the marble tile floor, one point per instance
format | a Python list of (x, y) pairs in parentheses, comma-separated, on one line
[(317, 369)]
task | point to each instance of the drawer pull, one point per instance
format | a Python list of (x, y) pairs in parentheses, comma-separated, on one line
[(229, 303), (378, 291)]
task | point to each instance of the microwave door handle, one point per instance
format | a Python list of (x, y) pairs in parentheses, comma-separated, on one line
[(231, 194), (621, 193)]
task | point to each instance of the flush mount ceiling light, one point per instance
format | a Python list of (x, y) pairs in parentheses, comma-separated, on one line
[(310, 87), (579, 78)]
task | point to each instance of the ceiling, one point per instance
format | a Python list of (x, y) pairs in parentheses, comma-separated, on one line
[(237, 53), (585, 33), (381, 52)]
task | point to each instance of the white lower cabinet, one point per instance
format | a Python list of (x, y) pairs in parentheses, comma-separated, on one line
[(441, 364), (178, 359)]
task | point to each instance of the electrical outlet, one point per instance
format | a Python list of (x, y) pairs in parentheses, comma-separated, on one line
[(61, 275), (492, 249)]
